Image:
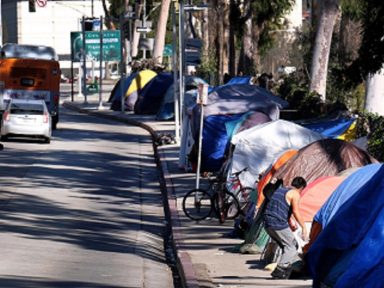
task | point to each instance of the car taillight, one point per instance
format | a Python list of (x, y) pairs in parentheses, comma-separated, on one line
[(6, 116), (45, 117)]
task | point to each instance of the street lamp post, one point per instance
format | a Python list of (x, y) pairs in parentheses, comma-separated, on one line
[(174, 63), (181, 61)]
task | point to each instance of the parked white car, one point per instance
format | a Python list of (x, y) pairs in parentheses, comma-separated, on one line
[(26, 118)]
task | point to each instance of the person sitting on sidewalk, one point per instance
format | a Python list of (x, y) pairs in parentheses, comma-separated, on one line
[(282, 204)]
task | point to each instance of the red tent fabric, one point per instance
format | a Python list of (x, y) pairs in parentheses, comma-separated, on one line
[(315, 195)]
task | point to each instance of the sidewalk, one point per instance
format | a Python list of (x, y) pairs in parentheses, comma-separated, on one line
[(205, 257)]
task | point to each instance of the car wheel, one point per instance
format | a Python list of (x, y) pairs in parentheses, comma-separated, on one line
[(47, 140), (4, 138)]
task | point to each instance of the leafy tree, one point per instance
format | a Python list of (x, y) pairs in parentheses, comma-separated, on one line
[(258, 19), (371, 55)]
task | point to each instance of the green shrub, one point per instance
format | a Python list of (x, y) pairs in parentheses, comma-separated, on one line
[(372, 126)]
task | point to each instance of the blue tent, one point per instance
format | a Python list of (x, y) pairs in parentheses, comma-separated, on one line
[(217, 133), (167, 107), (151, 96), (215, 141), (115, 97), (349, 252)]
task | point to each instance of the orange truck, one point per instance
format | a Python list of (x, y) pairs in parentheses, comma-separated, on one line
[(30, 71)]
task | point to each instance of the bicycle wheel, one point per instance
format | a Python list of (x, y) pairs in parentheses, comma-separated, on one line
[(243, 197), (197, 204), (231, 205), (226, 206)]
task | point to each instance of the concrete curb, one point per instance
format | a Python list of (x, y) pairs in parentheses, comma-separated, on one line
[(183, 263)]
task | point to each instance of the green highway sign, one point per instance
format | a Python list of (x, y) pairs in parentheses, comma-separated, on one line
[(111, 45), (167, 50)]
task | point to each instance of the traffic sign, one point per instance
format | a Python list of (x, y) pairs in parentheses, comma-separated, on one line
[(111, 45), (192, 58), (41, 3), (143, 29), (168, 50)]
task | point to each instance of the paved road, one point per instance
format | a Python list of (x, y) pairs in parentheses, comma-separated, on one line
[(83, 211)]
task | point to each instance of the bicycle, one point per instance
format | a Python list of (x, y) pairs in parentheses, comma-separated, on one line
[(242, 193), (198, 204)]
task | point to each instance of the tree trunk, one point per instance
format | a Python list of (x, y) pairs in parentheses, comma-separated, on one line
[(161, 30), (231, 41), (136, 35), (330, 12), (225, 37), (219, 39), (349, 40), (375, 93)]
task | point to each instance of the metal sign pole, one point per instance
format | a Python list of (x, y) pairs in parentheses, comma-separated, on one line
[(181, 62), (72, 81), (101, 65), (122, 63), (174, 64), (84, 63), (201, 101)]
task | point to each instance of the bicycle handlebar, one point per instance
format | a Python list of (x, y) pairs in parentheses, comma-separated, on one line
[(239, 172)]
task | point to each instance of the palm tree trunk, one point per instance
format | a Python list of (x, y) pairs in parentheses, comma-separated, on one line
[(375, 93), (329, 14), (161, 31)]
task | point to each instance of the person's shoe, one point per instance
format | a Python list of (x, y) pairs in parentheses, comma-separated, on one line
[(282, 272)]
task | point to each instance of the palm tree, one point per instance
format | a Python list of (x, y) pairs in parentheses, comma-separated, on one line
[(161, 30), (329, 13)]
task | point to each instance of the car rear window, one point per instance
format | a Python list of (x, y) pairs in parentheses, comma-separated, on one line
[(27, 108)]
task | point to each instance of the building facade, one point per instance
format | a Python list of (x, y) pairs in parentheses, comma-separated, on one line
[(51, 24)]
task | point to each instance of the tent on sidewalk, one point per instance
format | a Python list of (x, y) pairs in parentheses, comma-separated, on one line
[(135, 83), (167, 107), (151, 96), (257, 148), (315, 195), (268, 174), (349, 252), (341, 195), (217, 132), (339, 128), (223, 103), (326, 157), (241, 98), (117, 91)]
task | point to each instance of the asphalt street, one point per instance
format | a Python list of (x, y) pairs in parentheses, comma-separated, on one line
[(83, 211)]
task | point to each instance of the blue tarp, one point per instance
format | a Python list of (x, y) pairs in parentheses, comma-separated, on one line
[(240, 80), (331, 128), (345, 191), (215, 141), (349, 251), (151, 96)]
